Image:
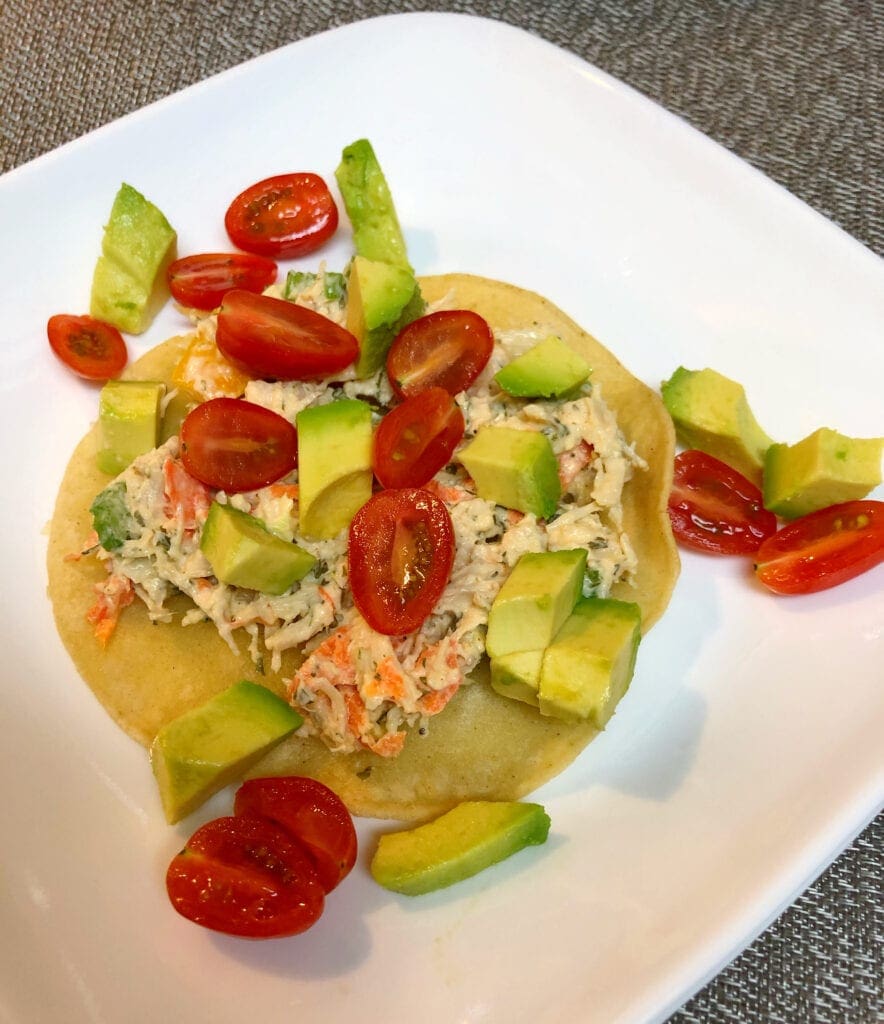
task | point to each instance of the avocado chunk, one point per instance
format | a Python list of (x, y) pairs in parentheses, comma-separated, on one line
[(514, 468), (334, 465), (711, 413), (204, 750), (534, 601), (589, 665), (548, 370), (517, 676), (129, 283), (381, 299), (244, 553), (369, 204), (463, 842), (111, 518), (826, 468), (128, 422)]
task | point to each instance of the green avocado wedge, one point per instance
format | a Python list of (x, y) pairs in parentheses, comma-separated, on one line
[(469, 838), (202, 751)]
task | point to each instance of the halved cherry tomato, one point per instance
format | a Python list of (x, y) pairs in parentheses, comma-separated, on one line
[(400, 553), (245, 876), (273, 338), (823, 549), (312, 814), (286, 215), (448, 349), (234, 445), (91, 348), (202, 281), (714, 508), (417, 438)]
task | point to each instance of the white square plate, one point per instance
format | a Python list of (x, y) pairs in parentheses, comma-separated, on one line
[(748, 751)]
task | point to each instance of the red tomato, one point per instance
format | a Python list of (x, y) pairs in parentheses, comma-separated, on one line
[(202, 281), (312, 814), (273, 338), (91, 348), (400, 553), (245, 876), (417, 438), (448, 349), (823, 549), (714, 508), (234, 445), (287, 215)]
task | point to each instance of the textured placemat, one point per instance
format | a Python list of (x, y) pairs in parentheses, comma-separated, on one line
[(794, 88)]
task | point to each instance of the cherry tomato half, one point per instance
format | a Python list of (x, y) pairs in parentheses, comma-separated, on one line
[(714, 508), (284, 216), (91, 348), (234, 445), (823, 549), (245, 876), (401, 549), (202, 281), (312, 814), (417, 438), (273, 338), (448, 349)]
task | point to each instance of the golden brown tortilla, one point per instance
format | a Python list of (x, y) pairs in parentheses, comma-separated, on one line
[(482, 746)]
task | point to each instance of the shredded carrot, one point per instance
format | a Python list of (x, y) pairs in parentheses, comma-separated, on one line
[(573, 460), (432, 703), (114, 594), (388, 683), (284, 491), (388, 745), (185, 496), (357, 716)]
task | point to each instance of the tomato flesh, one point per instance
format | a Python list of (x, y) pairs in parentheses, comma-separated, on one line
[(312, 813), (447, 349), (276, 339), (417, 438), (283, 216), (245, 876), (202, 281), (91, 348), (234, 445), (714, 508), (400, 553), (823, 549)]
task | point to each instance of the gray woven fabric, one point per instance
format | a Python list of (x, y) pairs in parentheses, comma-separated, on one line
[(795, 88)]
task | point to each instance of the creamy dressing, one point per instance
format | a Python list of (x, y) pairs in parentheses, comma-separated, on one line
[(356, 688)]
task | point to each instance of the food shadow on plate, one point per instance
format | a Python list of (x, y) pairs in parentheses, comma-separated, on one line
[(497, 877), (337, 944), (649, 746)]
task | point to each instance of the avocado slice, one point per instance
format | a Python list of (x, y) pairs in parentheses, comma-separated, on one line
[(534, 601), (128, 422), (514, 468), (711, 413), (129, 283), (469, 838), (517, 676), (204, 750), (381, 299), (548, 370), (244, 553), (369, 204), (334, 465), (589, 665), (825, 468)]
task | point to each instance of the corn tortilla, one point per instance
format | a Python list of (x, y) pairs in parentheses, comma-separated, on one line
[(482, 746)]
